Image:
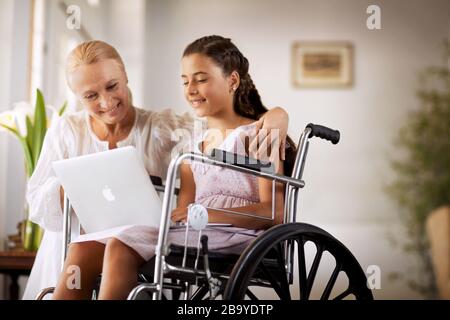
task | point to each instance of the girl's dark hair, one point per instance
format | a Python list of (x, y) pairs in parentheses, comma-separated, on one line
[(247, 102)]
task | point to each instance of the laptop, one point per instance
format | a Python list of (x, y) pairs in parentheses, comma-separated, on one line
[(110, 189)]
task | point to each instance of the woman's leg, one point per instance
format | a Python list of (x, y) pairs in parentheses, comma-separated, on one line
[(82, 267), (120, 267)]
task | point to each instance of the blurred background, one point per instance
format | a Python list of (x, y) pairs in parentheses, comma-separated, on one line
[(346, 184)]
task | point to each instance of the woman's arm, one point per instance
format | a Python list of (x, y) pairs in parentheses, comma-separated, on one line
[(169, 135), (44, 194)]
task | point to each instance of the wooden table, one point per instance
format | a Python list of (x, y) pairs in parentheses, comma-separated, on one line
[(15, 264)]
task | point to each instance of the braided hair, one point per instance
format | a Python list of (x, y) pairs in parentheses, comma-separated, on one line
[(247, 101)]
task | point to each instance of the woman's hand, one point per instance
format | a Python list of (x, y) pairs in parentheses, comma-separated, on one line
[(179, 214), (270, 141)]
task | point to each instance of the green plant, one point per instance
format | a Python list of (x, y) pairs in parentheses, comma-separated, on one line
[(423, 174), (29, 125)]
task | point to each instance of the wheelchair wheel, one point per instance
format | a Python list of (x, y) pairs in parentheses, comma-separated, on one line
[(263, 263)]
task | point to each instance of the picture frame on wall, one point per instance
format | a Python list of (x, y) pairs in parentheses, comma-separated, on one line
[(322, 64)]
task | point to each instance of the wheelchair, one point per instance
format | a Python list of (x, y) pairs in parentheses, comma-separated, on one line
[(267, 262)]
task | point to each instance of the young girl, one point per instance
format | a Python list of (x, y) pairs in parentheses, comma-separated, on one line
[(218, 86), (220, 89)]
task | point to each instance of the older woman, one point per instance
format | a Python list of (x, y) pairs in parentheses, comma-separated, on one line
[(97, 76)]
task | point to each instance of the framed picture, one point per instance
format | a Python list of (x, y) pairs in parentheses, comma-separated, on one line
[(322, 64)]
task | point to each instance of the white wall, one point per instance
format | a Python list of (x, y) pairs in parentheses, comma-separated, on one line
[(6, 9), (5, 57), (344, 183), (128, 38), (18, 82), (18, 16)]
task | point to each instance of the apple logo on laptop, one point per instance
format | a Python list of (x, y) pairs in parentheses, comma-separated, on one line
[(107, 193)]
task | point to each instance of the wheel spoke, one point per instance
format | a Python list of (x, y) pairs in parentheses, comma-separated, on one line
[(343, 295), (314, 267), (276, 286), (201, 292), (251, 295), (282, 270), (301, 269), (331, 282)]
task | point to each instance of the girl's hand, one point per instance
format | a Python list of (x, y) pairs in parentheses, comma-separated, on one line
[(179, 214), (267, 143)]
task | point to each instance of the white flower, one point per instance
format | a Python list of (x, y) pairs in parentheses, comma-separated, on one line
[(23, 110), (8, 119)]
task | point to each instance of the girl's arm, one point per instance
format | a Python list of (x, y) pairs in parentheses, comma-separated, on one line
[(186, 195), (263, 208)]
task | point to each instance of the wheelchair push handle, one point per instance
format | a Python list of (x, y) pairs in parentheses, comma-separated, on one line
[(324, 133)]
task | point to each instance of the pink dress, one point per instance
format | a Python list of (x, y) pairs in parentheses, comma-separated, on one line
[(216, 187)]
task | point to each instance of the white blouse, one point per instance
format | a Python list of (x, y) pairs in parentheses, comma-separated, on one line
[(154, 134)]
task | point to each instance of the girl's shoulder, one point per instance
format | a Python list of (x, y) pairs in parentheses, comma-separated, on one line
[(249, 128)]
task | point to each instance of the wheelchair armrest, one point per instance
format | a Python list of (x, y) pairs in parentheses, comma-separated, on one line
[(242, 161), (157, 181)]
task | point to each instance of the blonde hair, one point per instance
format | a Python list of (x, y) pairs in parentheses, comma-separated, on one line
[(90, 52)]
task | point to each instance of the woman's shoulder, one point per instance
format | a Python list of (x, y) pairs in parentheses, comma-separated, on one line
[(75, 118), (72, 122), (65, 130), (69, 121)]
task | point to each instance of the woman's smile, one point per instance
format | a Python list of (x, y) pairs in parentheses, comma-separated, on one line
[(113, 111)]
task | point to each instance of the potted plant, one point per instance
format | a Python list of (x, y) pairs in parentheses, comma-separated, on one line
[(29, 125), (422, 181)]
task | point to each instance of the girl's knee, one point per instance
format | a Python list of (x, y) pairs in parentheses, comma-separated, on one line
[(114, 245), (116, 249)]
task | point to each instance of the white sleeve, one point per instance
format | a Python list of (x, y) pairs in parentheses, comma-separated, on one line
[(170, 134), (43, 190)]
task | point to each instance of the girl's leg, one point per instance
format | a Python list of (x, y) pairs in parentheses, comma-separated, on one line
[(82, 267), (120, 267)]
